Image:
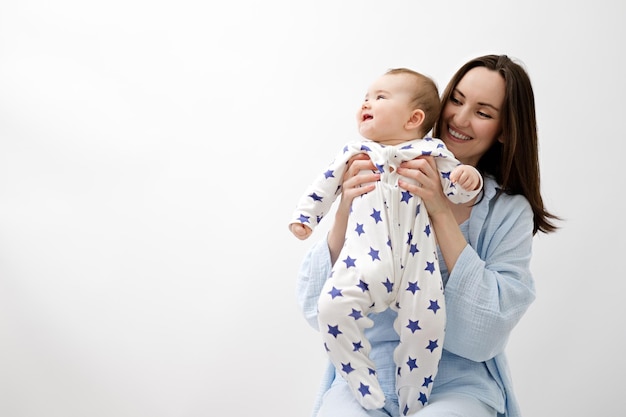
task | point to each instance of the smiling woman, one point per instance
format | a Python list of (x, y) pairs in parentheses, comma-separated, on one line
[(473, 115), (485, 265)]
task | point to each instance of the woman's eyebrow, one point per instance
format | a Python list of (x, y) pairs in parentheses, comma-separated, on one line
[(480, 103), (489, 105)]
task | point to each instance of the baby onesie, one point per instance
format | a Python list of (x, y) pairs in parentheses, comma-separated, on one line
[(389, 260)]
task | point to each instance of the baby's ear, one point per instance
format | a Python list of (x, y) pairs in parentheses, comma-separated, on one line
[(416, 119)]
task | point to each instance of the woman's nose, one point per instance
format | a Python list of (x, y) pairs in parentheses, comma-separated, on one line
[(462, 117)]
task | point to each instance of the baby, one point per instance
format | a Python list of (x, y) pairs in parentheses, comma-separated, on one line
[(389, 258)]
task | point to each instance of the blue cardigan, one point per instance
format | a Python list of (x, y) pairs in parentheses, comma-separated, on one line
[(487, 293)]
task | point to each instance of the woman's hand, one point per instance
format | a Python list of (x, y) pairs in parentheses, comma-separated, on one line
[(359, 178), (423, 180)]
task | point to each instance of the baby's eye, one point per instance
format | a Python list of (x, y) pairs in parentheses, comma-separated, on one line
[(380, 97)]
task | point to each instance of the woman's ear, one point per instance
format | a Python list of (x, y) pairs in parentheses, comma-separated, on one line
[(416, 119)]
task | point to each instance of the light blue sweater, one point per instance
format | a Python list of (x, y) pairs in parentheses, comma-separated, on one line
[(487, 293)]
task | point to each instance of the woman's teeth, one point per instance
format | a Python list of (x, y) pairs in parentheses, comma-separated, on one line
[(457, 135)]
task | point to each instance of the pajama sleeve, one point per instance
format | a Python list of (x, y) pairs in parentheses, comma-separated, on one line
[(446, 162), (320, 195)]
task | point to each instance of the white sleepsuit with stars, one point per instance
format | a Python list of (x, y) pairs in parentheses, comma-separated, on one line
[(389, 260)]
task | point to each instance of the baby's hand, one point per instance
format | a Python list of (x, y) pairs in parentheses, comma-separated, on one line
[(300, 231), (466, 176)]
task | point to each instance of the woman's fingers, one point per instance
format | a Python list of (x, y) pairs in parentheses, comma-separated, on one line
[(360, 174), (422, 179), (418, 173)]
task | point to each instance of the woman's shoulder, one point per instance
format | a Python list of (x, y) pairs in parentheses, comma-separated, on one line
[(499, 204), (499, 216), (494, 194)]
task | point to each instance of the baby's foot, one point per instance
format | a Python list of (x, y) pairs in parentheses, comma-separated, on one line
[(366, 388), (411, 400)]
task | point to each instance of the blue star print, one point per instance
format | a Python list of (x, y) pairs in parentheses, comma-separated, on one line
[(427, 381), (430, 266), (335, 293), (413, 287), (406, 196), (315, 197), (389, 285), (346, 367), (432, 345), (434, 306), (303, 218), (364, 286), (374, 254), (334, 330), (412, 363), (364, 389), (349, 262), (376, 215), (356, 314), (359, 229), (414, 326), (357, 346), (329, 174)]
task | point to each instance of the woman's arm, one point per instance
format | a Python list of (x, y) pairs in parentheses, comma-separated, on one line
[(314, 270), (424, 171), (358, 180), (490, 285)]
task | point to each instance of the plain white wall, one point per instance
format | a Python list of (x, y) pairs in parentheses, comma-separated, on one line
[(151, 153)]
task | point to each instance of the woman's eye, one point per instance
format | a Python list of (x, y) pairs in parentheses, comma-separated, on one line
[(484, 115), (454, 100)]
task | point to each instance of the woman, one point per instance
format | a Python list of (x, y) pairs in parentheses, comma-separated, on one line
[(487, 120)]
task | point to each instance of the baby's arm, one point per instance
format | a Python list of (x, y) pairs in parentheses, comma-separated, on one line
[(467, 177), (316, 202)]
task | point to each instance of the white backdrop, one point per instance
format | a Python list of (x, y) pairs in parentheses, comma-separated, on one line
[(151, 153)]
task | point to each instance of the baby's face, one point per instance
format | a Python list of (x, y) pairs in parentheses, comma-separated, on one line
[(386, 109)]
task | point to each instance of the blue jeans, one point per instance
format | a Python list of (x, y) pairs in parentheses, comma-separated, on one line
[(339, 402)]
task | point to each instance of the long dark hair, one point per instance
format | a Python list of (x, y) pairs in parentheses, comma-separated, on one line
[(514, 162)]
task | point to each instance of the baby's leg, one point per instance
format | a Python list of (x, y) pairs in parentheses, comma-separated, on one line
[(342, 317), (421, 326)]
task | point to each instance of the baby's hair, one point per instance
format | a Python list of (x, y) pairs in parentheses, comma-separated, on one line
[(425, 96)]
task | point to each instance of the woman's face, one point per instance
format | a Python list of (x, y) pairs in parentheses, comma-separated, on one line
[(471, 119)]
